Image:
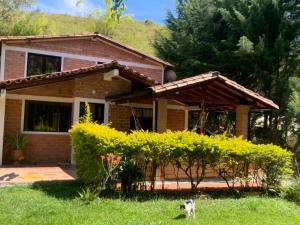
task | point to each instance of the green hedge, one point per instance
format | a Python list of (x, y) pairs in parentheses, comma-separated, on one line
[(234, 159)]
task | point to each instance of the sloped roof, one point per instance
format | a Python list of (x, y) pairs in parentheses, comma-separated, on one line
[(82, 36), (125, 72), (218, 92)]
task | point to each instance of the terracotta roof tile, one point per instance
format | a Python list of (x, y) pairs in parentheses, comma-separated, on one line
[(85, 35), (184, 82), (199, 79), (134, 75)]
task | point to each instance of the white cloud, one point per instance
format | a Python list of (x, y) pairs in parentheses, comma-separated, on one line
[(66, 7)]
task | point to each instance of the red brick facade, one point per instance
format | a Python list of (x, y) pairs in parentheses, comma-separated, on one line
[(46, 147), (13, 69), (90, 49)]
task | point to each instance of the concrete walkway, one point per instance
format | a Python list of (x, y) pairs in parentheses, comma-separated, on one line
[(31, 174)]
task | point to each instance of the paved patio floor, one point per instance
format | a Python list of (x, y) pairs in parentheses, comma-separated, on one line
[(10, 175), (31, 174)]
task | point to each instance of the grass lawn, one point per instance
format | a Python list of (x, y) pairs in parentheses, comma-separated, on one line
[(59, 204)]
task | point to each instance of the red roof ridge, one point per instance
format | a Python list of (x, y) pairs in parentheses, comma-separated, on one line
[(112, 65), (83, 35)]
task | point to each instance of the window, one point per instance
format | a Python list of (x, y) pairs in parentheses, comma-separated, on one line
[(40, 64), (47, 116), (97, 111), (141, 118)]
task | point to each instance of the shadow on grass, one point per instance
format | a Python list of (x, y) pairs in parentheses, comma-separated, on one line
[(59, 189), (70, 189), (179, 217)]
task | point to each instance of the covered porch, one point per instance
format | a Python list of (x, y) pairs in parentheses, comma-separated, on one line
[(209, 92), (119, 93)]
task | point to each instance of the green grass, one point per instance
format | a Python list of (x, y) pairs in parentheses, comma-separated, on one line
[(58, 204)]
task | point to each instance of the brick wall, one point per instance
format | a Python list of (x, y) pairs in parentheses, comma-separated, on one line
[(119, 116), (56, 147), (59, 89), (88, 47), (96, 87), (14, 64), (48, 148), (70, 64), (40, 147), (12, 123), (15, 61)]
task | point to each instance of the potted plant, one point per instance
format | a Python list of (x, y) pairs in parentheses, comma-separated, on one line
[(17, 144)]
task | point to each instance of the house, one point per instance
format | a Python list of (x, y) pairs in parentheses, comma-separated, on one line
[(46, 80)]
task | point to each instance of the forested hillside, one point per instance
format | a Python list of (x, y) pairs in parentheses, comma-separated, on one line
[(137, 34)]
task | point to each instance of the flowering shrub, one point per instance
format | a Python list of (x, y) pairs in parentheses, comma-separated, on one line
[(99, 150)]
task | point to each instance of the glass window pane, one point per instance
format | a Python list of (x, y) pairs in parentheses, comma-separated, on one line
[(47, 116), (97, 111), (40, 64), (52, 64), (34, 65)]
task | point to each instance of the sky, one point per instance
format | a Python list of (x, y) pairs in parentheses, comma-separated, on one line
[(154, 10)]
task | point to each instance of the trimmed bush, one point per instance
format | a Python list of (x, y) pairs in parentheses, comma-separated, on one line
[(292, 192), (99, 150)]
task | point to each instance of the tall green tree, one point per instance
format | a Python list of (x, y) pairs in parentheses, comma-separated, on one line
[(255, 42), (106, 22)]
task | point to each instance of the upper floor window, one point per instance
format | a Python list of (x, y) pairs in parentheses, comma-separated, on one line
[(41, 64)]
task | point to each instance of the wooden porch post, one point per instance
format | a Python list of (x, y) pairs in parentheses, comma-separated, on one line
[(242, 120), (162, 115), (154, 116), (2, 117)]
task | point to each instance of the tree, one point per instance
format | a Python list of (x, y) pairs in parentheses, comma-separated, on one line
[(8, 11), (31, 23), (118, 7), (255, 42), (106, 22)]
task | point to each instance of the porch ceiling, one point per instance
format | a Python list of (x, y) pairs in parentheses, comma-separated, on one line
[(217, 92)]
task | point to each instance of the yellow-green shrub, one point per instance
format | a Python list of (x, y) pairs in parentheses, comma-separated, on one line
[(230, 157), (90, 141)]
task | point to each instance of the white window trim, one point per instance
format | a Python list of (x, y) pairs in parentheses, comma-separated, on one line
[(2, 64), (76, 114), (75, 108), (77, 101), (78, 56), (39, 132)]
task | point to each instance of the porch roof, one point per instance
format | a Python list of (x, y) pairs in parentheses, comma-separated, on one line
[(35, 80), (217, 92)]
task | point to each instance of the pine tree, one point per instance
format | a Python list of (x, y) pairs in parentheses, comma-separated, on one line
[(255, 42)]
